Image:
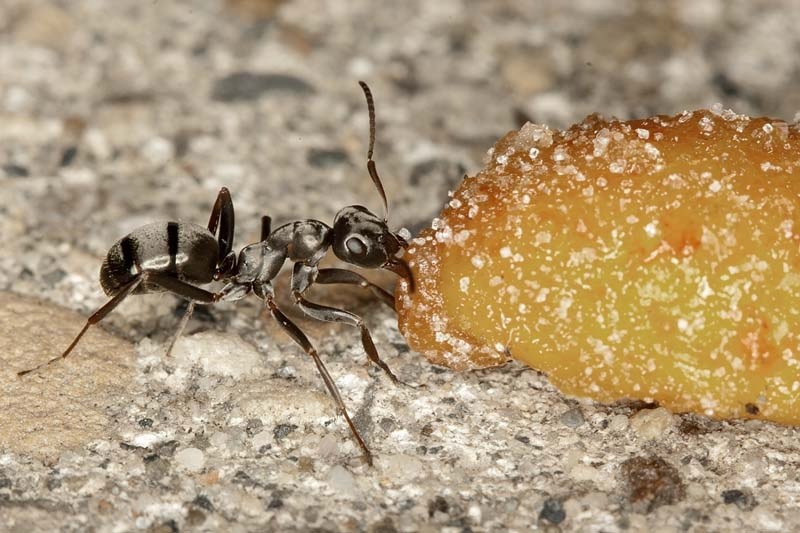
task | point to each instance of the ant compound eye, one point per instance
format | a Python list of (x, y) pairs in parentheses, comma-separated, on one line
[(356, 246)]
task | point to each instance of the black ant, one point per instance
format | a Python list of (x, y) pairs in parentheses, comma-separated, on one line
[(176, 257)]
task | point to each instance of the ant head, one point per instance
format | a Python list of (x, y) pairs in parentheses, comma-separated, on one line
[(363, 239)]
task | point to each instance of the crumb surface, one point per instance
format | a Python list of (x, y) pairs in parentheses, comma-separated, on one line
[(651, 259)]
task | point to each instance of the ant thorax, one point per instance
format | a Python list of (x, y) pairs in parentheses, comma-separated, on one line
[(304, 240)]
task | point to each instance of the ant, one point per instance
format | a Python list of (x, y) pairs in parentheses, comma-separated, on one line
[(176, 257)]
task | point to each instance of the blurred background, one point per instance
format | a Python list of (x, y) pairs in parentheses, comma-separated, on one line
[(114, 113)]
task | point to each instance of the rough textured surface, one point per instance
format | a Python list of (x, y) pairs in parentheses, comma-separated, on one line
[(651, 259), (115, 114), (45, 415)]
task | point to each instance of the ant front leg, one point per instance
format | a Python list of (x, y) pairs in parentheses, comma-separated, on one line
[(265, 291), (340, 275), (303, 276)]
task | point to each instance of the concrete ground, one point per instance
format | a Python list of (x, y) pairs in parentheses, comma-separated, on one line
[(114, 114)]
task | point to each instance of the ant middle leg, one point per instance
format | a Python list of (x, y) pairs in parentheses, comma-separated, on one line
[(302, 278), (181, 326), (301, 339), (222, 217), (193, 294)]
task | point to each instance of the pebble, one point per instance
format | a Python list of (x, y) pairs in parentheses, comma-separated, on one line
[(326, 157), (743, 499), (245, 86), (218, 353), (158, 151), (328, 446), (146, 440), (572, 418), (191, 459), (342, 481), (652, 424), (552, 511), (768, 521), (401, 468), (582, 472), (618, 423), (651, 482), (262, 439)]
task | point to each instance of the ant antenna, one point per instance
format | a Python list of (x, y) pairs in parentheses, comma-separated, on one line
[(373, 172)]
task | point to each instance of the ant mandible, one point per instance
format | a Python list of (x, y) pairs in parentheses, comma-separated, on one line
[(176, 257)]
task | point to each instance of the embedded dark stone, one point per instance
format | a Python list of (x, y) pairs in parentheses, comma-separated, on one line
[(246, 86), (553, 511), (438, 504), (740, 498), (203, 502), (253, 427), (652, 482), (384, 526), (282, 430), (16, 171), (68, 156), (325, 158), (751, 408), (572, 418)]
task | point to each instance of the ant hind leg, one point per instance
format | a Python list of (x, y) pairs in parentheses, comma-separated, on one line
[(96, 317), (181, 326)]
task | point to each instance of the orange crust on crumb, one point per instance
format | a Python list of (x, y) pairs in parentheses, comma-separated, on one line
[(654, 259)]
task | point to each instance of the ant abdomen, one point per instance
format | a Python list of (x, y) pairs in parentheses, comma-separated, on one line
[(186, 251)]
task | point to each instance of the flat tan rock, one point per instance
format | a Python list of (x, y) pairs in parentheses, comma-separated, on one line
[(69, 403)]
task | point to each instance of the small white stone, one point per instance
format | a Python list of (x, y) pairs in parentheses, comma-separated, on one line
[(342, 481), (218, 353), (158, 150), (652, 424), (618, 423), (401, 468), (97, 142), (219, 440), (146, 440), (328, 446), (262, 439), (191, 459)]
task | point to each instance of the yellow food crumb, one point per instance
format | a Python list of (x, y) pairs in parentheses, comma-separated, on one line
[(654, 259)]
